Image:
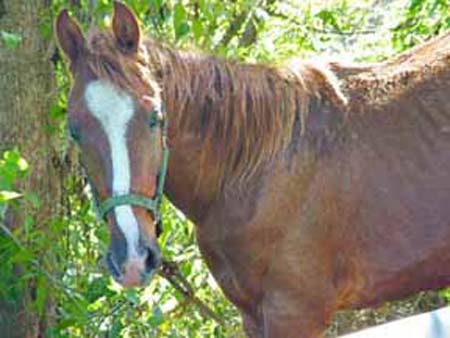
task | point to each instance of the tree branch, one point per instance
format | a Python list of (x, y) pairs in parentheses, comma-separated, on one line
[(234, 27), (171, 272)]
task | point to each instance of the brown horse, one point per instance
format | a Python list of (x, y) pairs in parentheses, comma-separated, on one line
[(314, 187)]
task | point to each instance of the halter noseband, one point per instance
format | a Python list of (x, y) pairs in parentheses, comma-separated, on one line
[(151, 204)]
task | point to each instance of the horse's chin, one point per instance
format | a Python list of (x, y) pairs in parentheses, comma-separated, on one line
[(132, 284)]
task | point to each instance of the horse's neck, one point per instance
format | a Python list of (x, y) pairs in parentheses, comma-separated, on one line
[(187, 185), (193, 180), (190, 185), (196, 190)]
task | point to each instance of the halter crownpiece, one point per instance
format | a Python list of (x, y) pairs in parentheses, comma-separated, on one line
[(151, 204)]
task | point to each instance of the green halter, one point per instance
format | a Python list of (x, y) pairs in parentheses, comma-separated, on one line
[(151, 204)]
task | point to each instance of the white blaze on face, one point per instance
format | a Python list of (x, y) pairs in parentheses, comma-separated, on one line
[(114, 109)]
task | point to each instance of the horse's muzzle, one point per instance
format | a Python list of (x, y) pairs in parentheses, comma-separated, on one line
[(134, 271)]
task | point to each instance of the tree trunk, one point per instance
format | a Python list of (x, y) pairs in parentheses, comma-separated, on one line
[(26, 94)]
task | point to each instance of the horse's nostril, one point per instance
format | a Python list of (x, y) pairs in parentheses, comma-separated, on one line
[(151, 261)]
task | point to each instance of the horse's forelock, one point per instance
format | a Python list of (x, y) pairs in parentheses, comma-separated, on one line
[(125, 71)]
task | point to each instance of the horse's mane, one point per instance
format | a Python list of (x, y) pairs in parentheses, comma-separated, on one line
[(244, 113)]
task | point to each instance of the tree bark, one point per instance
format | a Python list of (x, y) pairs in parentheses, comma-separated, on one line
[(26, 94)]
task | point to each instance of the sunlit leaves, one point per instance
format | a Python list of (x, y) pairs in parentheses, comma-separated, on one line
[(179, 21), (423, 19), (6, 195), (12, 168)]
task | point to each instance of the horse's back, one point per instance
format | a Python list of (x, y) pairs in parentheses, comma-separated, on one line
[(398, 171)]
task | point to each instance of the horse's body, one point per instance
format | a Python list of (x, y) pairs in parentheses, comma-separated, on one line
[(354, 212), (314, 188)]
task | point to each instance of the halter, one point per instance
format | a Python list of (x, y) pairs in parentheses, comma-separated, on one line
[(151, 204)]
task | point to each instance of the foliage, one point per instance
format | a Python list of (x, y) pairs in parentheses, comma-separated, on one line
[(12, 169), (10, 40), (423, 19), (88, 302)]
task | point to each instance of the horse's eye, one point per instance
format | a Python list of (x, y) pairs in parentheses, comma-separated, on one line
[(153, 120), (74, 132)]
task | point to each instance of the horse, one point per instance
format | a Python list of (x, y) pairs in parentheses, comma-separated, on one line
[(314, 186)]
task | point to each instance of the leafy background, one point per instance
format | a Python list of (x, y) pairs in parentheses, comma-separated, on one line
[(88, 303)]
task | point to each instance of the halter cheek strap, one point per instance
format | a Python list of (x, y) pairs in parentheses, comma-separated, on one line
[(151, 204)]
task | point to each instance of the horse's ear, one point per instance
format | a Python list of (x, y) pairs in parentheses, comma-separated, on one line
[(69, 35), (126, 28)]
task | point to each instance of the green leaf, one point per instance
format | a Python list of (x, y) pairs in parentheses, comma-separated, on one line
[(41, 295), (132, 295), (22, 164), (328, 17), (12, 167), (179, 21), (157, 317), (56, 110), (7, 195), (28, 223), (416, 5), (98, 288), (33, 199), (116, 328), (197, 29), (11, 40)]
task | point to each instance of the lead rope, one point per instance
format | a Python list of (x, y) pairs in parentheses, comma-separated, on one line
[(161, 178), (162, 170)]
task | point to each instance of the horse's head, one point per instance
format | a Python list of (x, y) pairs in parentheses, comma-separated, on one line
[(114, 115)]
